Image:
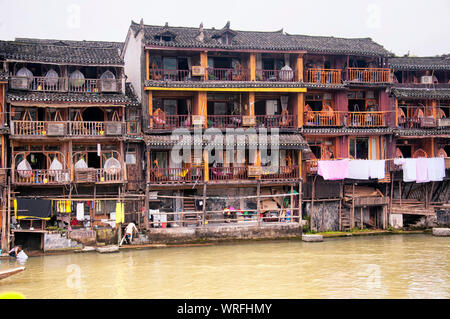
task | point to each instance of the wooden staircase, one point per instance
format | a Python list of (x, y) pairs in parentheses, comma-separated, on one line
[(345, 220), (190, 219)]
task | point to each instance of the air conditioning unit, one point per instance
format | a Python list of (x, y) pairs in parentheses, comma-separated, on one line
[(198, 70), (19, 83), (426, 79), (113, 128), (56, 129), (108, 85)]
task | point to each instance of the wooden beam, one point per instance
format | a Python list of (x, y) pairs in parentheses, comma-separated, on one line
[(252, 66), (352, 217), (222, 89)]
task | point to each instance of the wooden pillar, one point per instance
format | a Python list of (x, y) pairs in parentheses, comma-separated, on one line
[(292, 203), (300, 204), (299, 68), (251, 103), (8, 217), (204, 63), (205, 166), (204, 205), (258, 202), (361, 222), (352, 216), (400, 192), (340, 204), (150, 108), (313, 194), (252, 66), (147, 189), (300, 106), (4, 218), (147, 64)]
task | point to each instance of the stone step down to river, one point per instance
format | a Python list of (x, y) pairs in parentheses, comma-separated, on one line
[(312, 238), (108, 249), (444, 232)]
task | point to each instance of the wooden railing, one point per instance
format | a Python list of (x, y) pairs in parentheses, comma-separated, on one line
[(64, 84), (86, 128), (217, 74), (42, 176), (169, 75), (169, 122), (176, 175), (323, 118), (3, 176), (281, 121), (311, 166), (323, 76), (280, 173), (369, 75), (103, 176), (366, 119), (276, 75), (34, 128), (227, 173), (224, 121)]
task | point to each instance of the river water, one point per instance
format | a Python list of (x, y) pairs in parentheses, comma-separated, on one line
[(396, 266)]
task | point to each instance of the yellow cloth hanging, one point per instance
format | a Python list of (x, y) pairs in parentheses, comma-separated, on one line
[(120, 213), (68, 208), (15, 208)]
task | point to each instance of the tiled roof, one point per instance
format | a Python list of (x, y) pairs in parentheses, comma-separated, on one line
[(45, 97), (66, 52), (423, 132), (420, 63), (421, 93), (346, 130), (240, 84), (284, 141), (131, 94), (187, 37)]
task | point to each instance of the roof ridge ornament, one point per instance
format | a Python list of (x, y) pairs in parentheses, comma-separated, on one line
[(201, 34)]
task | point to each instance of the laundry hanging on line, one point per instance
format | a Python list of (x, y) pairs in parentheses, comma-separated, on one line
[(352, 169), (422, 170)]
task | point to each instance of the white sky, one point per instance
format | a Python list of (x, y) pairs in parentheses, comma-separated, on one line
[(421, 27)]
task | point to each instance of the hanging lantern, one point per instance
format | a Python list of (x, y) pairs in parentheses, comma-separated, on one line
[(76, 79), (51, 78)]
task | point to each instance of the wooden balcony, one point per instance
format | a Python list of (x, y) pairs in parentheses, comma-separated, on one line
[(3, 176), (217, 174), (218, 74), (311, 166), (366, 119), (224, 121), (62, 84), (281, 173), (169, 75), (369, 75), (97, 175), (41, 177), (176, 175), (280, 121), (63, 129), (323, 118), (323, 76), (276, 75)]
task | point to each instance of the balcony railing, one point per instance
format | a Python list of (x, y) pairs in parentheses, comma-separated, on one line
[(169, 75), (280, 173), (416, 122), (227, 173), (219, 74), (369, 75), (70, 128), (323, 76), (276, 75), (281, 121), (176, 175), (41, 176), (104, 176), (323, 118), (366, 119), (63, 84), (224, 121), (170, 122)]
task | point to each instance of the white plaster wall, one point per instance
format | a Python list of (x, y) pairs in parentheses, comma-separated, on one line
[(132, 59)]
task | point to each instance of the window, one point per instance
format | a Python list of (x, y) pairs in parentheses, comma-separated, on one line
[(359, 148), (130, 158)]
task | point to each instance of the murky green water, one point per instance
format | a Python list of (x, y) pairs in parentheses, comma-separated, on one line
[(401, 266)]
